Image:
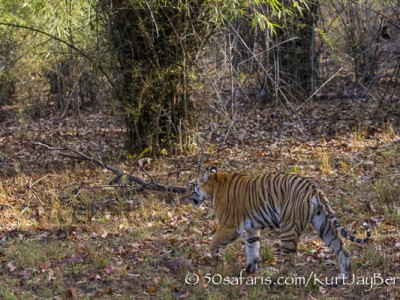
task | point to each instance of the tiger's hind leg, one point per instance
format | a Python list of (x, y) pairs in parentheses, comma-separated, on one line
[(222, 237), (330, 236), (252, 249), (289, 235)]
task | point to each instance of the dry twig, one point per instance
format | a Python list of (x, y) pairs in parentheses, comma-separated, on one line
[(5, 205), (154, 186)]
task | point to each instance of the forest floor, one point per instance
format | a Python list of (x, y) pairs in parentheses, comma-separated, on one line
[(66, 233)]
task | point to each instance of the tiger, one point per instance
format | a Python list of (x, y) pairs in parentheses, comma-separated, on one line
[(288, 202)]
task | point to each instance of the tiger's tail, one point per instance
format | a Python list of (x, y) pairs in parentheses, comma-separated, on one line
[(350, 237)]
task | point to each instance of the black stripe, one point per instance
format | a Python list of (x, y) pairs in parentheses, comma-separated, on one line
[(253, 239), (287, 250)]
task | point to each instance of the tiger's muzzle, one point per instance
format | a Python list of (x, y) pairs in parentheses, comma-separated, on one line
[(195, 199)]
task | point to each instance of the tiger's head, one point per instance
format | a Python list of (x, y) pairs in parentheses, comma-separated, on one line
[(200, 189)]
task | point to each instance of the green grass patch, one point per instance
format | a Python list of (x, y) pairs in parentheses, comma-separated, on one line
[(31, 254), (6, 294)]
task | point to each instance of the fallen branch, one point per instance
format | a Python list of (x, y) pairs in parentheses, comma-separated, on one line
[(119, 175), (5, 205)]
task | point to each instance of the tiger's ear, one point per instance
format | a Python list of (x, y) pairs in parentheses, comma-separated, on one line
[(206, 175), (208, 172)]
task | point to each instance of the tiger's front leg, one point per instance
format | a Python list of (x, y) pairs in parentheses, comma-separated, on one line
[(252, 249), (222, 237)]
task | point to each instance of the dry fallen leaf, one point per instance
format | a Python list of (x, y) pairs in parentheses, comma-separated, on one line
[(71, 293), (272, 262), (11, 267), (178, 265), (151, 290), (51, 276), (108, 291), (177, 294)]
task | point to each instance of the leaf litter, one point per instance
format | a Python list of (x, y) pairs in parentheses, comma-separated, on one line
[(101, 243)]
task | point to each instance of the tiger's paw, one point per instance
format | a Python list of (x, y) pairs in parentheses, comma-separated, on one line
[(253, 266)]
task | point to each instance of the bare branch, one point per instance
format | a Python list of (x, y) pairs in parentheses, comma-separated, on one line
[(155, 186), (5, 205), (333, 76), (72, 46), (201, 155), (141, 163), (81, 156)]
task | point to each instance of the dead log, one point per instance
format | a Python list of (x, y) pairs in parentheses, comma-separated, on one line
[(119, 175)]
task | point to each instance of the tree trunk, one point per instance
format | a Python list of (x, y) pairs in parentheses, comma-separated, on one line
[(297, 58), (152, 67)]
